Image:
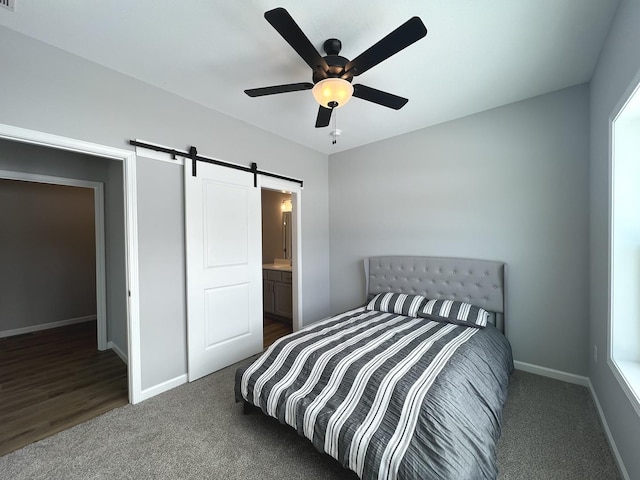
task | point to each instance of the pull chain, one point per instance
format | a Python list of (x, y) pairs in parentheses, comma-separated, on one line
[(335, 129), (335, 133)]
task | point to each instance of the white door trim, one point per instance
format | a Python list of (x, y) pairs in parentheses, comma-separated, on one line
[(131, 230), (271, 183), (98, 207)]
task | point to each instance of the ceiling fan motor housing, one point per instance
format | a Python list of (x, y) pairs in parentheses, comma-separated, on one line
[(335, 62)]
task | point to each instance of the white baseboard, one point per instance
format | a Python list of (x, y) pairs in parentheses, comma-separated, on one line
[(46, 326), (551, 373), (612, 443), (162, 387), (118, 351)]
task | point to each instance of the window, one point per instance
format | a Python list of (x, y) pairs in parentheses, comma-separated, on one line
[(624, 357)]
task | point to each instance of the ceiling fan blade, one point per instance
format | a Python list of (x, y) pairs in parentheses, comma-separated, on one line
[(289, 87), (378, 96), (409, 32), (324, 117), (286, 26)]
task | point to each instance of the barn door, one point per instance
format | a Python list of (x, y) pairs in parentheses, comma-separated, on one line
[(224, 267)]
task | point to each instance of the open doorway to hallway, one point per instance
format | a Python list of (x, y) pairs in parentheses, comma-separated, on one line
[(52, 373)]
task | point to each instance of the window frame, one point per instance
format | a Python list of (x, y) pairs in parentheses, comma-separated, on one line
[(626, 372)]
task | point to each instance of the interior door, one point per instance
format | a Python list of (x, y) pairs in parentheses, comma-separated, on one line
[(224, 267)]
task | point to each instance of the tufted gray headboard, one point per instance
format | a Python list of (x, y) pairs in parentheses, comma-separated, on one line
[(478, 282)]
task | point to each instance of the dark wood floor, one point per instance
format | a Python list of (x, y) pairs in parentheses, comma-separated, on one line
[(274, 329), (54, 379)]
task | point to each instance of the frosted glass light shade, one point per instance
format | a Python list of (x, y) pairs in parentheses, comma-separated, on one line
[(332, 90)]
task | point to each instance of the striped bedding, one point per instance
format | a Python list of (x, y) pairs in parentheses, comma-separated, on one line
[(389, 396)]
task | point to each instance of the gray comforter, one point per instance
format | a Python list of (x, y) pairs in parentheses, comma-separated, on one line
[(388, 396)]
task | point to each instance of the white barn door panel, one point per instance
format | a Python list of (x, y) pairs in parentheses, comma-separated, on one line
[(224, 267)]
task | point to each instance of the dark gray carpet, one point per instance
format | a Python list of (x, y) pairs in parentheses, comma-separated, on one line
[(550, 431)]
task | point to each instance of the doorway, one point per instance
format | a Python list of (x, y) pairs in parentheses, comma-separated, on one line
[(58, 367), (277, 268), (295, 218), (126, 193), (47, 218)]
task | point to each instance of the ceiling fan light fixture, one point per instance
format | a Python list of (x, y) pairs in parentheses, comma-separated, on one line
[(332, 92)]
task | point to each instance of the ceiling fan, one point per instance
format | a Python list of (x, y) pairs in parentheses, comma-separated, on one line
[(332, 74)]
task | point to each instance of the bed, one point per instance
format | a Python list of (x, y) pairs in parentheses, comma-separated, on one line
[(409, 386)]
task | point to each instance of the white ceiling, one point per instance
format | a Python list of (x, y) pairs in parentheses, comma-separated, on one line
[(478, 54)]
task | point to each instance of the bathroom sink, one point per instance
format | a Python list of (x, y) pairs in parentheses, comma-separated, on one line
[(277, 266)]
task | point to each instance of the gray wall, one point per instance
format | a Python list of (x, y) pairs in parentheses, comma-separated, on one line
[(617, 66), (47, 253), (161, 260), (22, 157), (507, 184), (43, 88)]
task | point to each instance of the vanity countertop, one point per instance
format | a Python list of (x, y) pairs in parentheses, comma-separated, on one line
[(276, 266)]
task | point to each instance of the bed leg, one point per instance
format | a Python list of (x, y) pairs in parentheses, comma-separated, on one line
[(247, 408)]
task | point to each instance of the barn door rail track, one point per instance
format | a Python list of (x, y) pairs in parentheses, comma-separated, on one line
[(193, 155)]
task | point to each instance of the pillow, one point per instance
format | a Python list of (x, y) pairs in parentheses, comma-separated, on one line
[(452, 311), (400, 303)]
